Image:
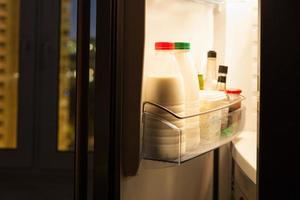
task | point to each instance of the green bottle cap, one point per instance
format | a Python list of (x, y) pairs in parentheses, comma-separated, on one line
[(182, 45)]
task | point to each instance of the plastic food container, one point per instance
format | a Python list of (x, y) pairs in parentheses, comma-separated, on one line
[(211, 123), (234, 94)]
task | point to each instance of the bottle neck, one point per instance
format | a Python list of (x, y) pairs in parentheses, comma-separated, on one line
[(165, 64), (182, 50), (212, 62), (222, 74), (159, 51), (211, 68), (221, 86)]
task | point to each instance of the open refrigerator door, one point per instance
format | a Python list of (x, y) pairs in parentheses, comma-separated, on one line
[(230, 28)]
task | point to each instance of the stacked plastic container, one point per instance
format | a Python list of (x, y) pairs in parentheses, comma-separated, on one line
[(212, 123)]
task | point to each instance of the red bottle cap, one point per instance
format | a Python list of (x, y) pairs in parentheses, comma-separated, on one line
[(164, 46), (233, 91)]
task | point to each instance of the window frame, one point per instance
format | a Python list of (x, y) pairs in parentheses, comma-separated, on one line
[(22, 156), (48, 85)]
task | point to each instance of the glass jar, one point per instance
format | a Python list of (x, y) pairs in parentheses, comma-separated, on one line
[(233, 95)]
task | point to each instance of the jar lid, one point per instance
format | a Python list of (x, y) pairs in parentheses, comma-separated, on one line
[(223, 69), (164, 45), (233, 91), (211, 54)]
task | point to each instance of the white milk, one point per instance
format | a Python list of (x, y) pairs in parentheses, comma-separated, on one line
[(191, 86), (161, 141), (166, 91)]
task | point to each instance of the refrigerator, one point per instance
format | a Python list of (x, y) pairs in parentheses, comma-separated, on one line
[(231, 28), (246, 35)]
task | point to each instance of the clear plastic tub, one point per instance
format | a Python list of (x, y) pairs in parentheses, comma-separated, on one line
[(212, 123)]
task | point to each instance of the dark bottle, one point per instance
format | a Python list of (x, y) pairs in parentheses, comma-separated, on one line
[(222, 75)]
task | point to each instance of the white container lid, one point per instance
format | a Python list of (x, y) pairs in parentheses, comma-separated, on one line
[(211, 95)]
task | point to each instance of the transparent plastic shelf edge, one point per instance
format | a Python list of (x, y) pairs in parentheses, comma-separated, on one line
[(162, 108), (174, 153), (163, 125)]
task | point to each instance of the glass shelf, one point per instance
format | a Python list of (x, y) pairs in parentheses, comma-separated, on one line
[(173, 138)]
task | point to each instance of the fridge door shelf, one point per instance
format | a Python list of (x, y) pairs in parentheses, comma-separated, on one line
[(173, 138)]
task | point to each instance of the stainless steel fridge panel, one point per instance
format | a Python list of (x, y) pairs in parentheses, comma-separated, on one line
[(192, 181)]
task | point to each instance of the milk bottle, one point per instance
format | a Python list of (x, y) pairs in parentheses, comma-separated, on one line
[(164, 86), (191, 86)]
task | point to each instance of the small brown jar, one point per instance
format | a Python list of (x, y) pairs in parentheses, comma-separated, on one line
[(233, 95)]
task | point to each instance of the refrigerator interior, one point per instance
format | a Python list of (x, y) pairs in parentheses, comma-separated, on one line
[(231, 29)]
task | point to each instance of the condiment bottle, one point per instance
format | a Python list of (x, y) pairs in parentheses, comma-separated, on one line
[(222, 75), (211, 79), (201, 81)]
